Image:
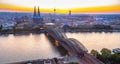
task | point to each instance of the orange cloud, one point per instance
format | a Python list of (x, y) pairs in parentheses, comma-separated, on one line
[(103, 9)]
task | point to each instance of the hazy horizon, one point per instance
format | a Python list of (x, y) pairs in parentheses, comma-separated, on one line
[(47, 6)]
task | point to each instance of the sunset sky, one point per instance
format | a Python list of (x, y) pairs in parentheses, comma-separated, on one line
[(62, 6)]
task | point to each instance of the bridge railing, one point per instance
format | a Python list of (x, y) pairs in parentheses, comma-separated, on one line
[(70, 44)]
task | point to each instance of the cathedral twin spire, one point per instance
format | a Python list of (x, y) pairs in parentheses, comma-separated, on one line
[(36, 13)]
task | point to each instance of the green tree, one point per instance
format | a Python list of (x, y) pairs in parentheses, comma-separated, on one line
[(106, 56), (106, 53), (94, 53), (115, 58)]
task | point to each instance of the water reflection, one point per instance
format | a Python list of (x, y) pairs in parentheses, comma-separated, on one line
[(25, 47), (95, 40)]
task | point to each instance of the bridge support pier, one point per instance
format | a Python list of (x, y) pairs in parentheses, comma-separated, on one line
[(56, 43), (46, 33), (69, 53)]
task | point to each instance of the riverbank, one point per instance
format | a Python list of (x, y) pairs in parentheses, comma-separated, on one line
[(41, 61), (27, 32), (89, 30)]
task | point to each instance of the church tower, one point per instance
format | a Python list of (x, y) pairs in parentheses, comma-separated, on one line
[(38, 11), (34, 10), (69, 12), (37, 16)]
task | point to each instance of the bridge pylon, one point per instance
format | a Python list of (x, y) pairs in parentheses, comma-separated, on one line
[(56, 42), (70, 54)]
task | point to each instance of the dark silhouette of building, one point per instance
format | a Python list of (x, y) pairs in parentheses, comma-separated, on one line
[(37, 18), (69, 12), (54, 11), (54, 17), (34, 10)]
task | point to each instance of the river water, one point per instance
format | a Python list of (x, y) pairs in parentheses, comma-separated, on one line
[(97, 40), (25, 47), (15, 48)]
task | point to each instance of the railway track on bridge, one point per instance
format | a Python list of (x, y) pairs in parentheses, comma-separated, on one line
[(73, 46)]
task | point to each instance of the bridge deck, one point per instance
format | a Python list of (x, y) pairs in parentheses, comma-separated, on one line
[(72, 45)]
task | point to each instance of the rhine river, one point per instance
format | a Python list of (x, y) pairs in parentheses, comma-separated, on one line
[(15, 48), (25, 47), (97, 40)]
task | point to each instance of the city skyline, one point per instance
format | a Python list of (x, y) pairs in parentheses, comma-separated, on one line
[(47, 6), (59, 31)]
